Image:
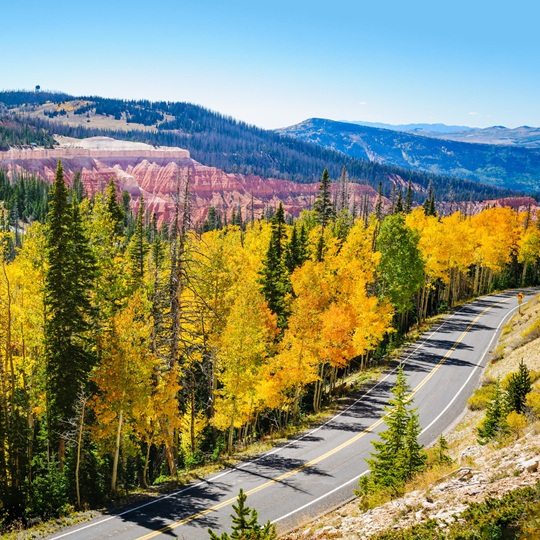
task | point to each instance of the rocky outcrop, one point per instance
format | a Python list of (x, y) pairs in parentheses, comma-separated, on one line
[(493, 474), (155, 173)]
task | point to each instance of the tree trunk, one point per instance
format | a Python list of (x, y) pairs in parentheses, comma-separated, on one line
[(117, 451), (79, 447)]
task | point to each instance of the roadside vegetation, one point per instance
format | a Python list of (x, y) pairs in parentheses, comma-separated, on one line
[(133, 352)]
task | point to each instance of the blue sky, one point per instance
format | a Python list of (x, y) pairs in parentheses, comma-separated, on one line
[(277, 63)]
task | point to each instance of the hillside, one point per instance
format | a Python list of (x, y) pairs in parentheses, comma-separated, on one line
[(220, 141), (510, 167)]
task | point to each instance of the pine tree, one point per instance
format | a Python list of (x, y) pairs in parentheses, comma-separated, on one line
[(79, 192), (67, 308), (429, 203), (113, 207), (408, 198), (323, 204), (412, 459), (274, 276), (441, 451), (519, 385), (246, 524), (378, 205), (398, 208), (494, 422), (343, 191), (385, 467), (296, 250), (138, 248)]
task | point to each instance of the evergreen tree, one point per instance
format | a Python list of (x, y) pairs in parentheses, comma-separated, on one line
[(378, 205), (138, 247), (494, 422), (412, 458), (67, 308), (519, 385), (113, 207), (78, 190), (296, 251), (408, 198), (441, 451), (274, 276), (398, 208), (246, 524), (343, 191), (323, 207), (429, 203), (386, 466)]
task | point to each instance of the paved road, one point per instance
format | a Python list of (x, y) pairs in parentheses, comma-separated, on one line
[(320, 469)]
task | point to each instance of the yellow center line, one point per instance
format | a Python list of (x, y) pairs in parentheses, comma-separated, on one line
[(322, 457)]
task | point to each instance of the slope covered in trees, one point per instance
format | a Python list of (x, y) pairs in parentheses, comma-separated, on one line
[(221, 141), (128, 352)]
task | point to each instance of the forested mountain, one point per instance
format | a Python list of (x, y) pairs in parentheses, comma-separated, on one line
[(220, 141), (511, 167)]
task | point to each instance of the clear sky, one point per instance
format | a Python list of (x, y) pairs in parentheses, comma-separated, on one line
[(275, 63)]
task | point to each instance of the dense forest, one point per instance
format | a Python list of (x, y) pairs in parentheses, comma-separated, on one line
[(130, 352), (22, 134), (221, 141)]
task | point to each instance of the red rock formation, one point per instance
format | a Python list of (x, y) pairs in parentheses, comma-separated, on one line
[(155, 174)]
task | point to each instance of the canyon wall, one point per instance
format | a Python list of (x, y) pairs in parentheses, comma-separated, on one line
[(155, 174)]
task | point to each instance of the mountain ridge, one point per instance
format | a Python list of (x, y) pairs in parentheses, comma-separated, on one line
[(507, 166), (222, 142)]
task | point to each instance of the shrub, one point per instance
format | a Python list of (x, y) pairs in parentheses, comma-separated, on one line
[(517, 423), (481, 397), (48, 493)]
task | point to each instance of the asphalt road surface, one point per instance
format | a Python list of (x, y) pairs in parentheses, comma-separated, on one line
[(319, 469)]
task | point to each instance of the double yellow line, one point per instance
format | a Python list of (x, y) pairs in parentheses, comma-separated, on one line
[(315, 461)]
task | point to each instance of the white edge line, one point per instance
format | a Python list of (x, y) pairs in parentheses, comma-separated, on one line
[(314, 501), (271, 452)]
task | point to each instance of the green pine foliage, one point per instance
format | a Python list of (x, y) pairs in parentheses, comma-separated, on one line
[(441, 451), (67, 307), (324, 209), (517, 388), (397, 455), (246, 524), (494, 422), (114, 208), (138, 248), (275, 283), (296, 252)]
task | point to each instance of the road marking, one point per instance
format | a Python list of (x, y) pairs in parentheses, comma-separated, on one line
[(315, 461), (358, 476), (269, 453)]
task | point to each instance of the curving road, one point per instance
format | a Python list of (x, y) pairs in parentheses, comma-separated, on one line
[(319, 469)]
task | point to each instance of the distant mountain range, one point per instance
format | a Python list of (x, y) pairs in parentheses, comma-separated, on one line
[(218, 141), (526, 136), (413, 128), (509, 166)]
